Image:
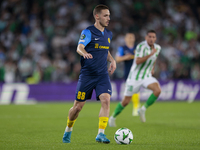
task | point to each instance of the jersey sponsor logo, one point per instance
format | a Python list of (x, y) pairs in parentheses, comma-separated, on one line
[(103, 47), (108, 40), (96, 38), (96, 45), (100, 46), (82, 36)]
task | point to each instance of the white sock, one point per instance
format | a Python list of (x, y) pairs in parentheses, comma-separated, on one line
[(112, 117), (101, 131), (68, 129), (143, 108)]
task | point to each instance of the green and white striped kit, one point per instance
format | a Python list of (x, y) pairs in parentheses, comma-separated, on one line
[(143, 70)]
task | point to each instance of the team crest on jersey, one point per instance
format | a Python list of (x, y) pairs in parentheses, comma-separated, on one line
[(82, 36), (108, 40)]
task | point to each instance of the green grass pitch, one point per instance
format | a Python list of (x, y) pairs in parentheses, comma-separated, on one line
[(170, 125)]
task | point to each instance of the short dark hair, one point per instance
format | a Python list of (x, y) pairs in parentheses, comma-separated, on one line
[(98, 9), (129, 33), (151, 31)]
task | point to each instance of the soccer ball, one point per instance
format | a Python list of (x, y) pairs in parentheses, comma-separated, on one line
[(123, 136)]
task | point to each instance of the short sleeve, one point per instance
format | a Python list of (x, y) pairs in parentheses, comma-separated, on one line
[(120, 51), (158, 48), (139, 51), (85, 37), (111, 36)]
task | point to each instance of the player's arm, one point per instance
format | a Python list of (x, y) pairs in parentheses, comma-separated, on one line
[(140, 60), (83, 41), (124, 58), (81, 51), (112, 66), (121, 57)]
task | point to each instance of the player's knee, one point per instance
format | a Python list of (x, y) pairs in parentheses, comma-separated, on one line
[(78, 108), (157, 92), (126, 101), (105, 102)]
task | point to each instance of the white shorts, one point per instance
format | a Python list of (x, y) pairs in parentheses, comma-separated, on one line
[(133, 86)]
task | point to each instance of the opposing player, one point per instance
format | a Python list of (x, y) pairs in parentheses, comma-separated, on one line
[(93, 47), (141, 75), (126, 54)]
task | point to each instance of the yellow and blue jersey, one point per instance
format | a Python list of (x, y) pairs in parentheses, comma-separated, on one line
[(96, 43), (94, 72), (123, 50)]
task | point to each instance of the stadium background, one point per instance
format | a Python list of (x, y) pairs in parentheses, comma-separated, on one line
[(39, 63), (38, 41)]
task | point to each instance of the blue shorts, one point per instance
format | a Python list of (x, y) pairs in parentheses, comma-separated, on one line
[(86, 84)]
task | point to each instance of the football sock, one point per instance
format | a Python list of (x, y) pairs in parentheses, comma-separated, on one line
[(136, 101), (118, 110), (68, 129), (152, 98), (70, 124), (101, 131), (143, 108), (103, 121)]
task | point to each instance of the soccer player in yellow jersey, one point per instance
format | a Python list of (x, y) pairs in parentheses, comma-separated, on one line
[(93, 46)]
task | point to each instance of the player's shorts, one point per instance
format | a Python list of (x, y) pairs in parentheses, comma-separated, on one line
[(133, 86), (86, 84)]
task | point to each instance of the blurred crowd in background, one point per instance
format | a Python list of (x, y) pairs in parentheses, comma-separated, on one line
[(38, 38)]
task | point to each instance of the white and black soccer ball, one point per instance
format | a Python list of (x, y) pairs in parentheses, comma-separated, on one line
[(123, 136)]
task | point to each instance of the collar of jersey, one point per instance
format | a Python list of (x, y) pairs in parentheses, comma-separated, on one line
[(148, 45), (99, 30)]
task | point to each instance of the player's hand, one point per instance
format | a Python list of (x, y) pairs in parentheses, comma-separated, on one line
[(112, 67), (87, 56), (129, 56)]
